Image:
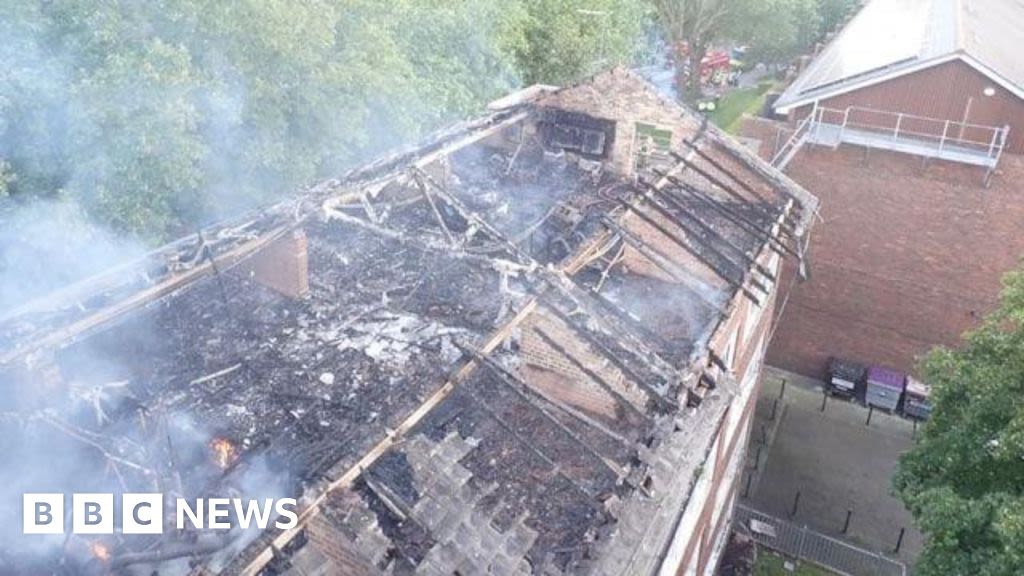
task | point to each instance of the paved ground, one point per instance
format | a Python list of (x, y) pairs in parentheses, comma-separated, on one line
[(834, 460)]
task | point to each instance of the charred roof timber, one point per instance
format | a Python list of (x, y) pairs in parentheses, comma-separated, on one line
[(492, 352)]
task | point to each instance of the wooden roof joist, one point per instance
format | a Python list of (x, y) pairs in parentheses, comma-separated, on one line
[(663, 262), (423, 243), (627, 329), (734, 283), (545, 405), (655, 202), (724, 170), (471, 216), (591, 375), (743, 271), (647, 378), (530, 446), (737, 218), (730, 191)]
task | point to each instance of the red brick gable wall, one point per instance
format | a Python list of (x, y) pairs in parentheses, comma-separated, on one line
[(942, 92)]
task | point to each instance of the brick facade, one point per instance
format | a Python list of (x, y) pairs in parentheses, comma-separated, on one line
[(282, 266), (951, 91), (906, 258)]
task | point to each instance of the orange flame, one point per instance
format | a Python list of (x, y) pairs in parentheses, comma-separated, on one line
[(99, 550), (224, 453)]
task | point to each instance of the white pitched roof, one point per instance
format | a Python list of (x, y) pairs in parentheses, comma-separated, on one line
[(890, 38)]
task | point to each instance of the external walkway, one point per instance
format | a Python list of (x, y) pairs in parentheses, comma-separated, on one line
[(930, 138)]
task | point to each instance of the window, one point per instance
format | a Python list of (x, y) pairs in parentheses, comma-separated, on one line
[(651, 146)]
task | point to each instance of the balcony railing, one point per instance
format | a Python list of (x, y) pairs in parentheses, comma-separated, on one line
[(975, 144)]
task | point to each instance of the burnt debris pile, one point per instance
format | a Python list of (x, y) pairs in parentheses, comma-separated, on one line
[(490, 354)]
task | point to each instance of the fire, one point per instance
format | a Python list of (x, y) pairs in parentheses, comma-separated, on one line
[(100, 551), (224, 453)]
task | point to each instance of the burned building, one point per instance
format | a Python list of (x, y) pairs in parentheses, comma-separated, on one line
[(528, 346)]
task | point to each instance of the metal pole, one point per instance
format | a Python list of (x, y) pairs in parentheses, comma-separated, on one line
[(824, 399), (764, 435), (796, 504), (899, 541), (757, 458), (871, 410), (846, 525), (775, 406), (746, 490), (782, 391)]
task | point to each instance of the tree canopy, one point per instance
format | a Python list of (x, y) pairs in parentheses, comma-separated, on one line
[(158, 116), (964, 479), (774, 30)]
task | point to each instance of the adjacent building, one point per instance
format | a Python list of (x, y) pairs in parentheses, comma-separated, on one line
[(889, 125)]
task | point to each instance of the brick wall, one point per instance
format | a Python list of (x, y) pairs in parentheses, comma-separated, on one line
[(621, 95), (905, 258), (942, 92), (282, 266), (580, 390), (338, 548)]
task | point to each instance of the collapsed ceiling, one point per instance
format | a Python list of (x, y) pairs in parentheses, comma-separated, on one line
[(497, 350)]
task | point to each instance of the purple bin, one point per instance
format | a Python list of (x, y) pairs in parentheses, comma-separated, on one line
[(885, 386)]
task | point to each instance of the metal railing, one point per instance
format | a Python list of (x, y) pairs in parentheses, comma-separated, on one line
[(789, 149), (934, 136), (803, 543)]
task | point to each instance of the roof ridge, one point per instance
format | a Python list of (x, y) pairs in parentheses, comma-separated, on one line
[(958, 25)]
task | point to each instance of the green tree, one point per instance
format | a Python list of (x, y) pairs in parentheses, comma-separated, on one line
[(691, 28), (159, 116), (778, 30), (834, 12), (964, 478), (565, 40)]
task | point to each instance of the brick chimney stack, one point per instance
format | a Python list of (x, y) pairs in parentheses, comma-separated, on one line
[(283, 266)]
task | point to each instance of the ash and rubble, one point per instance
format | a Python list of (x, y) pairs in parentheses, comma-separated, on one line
[(516, 332)]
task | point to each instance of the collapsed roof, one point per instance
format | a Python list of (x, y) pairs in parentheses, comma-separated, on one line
[(889, 38), (499, 360)]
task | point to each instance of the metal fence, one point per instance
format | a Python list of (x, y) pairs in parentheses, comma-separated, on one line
[(806, 544)]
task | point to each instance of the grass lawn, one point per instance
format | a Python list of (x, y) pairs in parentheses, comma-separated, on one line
[(769, 564), (733, 105)]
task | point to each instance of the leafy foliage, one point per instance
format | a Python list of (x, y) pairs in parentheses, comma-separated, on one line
[(159, 116), (964, 478), (775, 30), (567, 39)]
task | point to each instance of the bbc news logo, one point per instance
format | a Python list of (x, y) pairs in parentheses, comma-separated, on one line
[(144, 513)]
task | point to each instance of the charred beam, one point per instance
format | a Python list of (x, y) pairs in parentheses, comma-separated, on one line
[(437, 213), (745, 273), (535, 399), (423, 243), (739, 197), (717, 360), (471, 216), (624, 328), (708, 381), (728, 173), (736, 218), (530, 446), (595, 377), (622, 364), (717, 182), (693, 252), (662, 261), (683, 211), (387, 496)]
